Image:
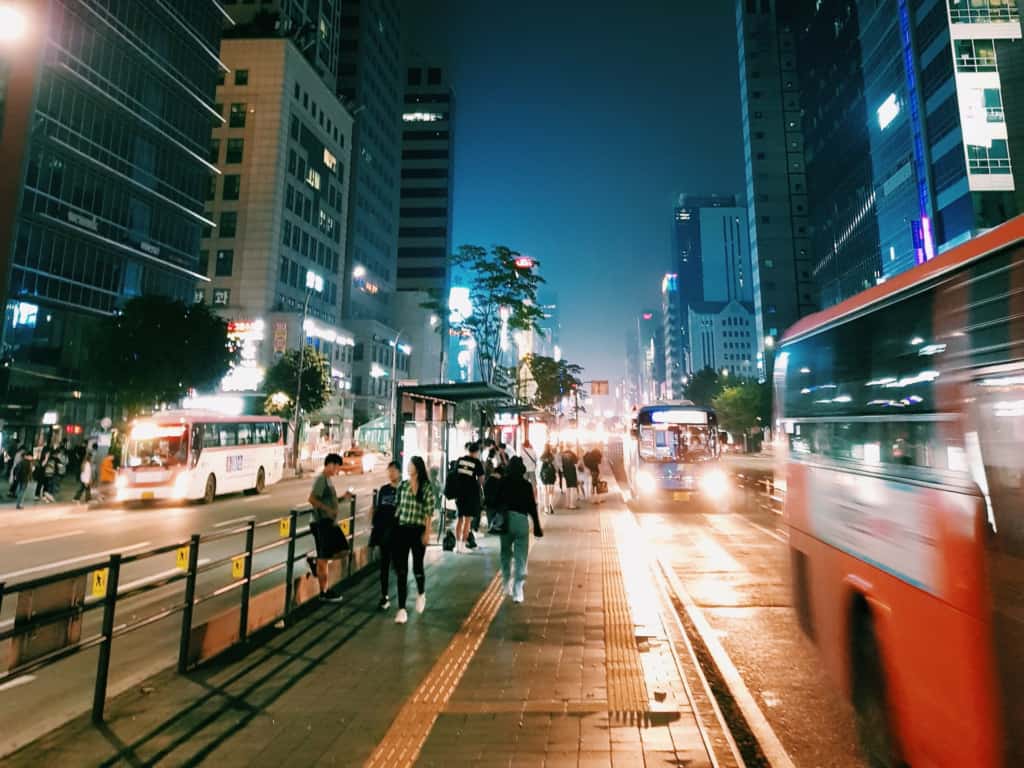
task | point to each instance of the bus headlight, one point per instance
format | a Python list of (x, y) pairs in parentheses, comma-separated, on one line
[(181, 486), (120, 482), (646, 482), (714, 483)]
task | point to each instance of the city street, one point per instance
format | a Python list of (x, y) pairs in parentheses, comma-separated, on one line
[(39, 540)]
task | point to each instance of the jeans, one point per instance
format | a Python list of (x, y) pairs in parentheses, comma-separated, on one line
[(515, 542), (386, 555), (22, 487), (408, 538)]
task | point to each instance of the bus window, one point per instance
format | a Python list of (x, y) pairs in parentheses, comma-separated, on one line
[(227, 434), (211, 437), (262, 433), (196, 443), (245, 434), (275, 432)]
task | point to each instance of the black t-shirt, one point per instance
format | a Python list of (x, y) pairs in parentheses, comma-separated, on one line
[(470, 471), (387, 502)]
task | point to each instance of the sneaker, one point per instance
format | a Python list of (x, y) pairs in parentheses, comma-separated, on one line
[(421, 603), (331, 596), (401, 617), (509, 588), (517, 594), (384, 603)]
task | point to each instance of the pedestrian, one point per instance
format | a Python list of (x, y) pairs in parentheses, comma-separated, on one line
[(85, 480), (61, 465), (382, 534), (492, 487), (467, 503), (548, 477), (12, 479), (592, 463), (559, 468), (22, 476), (329, 538), (502, 455), (517, 499), (39, 474), (569, 462), (529, 457), (107, 475), (416, 501)]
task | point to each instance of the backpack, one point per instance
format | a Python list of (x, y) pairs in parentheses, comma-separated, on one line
[(449, 541), (451, 482), (547, 473)]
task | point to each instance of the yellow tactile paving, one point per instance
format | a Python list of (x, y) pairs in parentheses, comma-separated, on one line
[(405, 738)]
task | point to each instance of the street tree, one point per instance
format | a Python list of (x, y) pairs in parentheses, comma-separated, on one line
[(553, 379), (156, 349), (282, 381), (503, 288), (743, 407), (703, 387)]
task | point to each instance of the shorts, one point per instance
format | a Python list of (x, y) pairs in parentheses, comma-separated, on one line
[(468, 508), (329, 539)]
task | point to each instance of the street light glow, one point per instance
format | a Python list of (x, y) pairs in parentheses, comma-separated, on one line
[(13, 24), (359, 272), (314, 282)]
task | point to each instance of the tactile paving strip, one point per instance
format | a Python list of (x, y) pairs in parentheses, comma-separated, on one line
[(627, 689), (405, 738)]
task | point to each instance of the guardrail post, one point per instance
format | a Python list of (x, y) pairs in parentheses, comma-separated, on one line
[(243, 615), (2, 585), (99, 694), (351, 532), (190, 601), (289, 583)]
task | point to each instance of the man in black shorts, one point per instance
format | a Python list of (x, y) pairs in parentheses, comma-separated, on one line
[(471, 472), (330, 539)]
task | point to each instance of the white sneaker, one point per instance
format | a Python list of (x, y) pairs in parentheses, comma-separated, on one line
[(508, 588), (421, 603), (517, 594), (401, 617)]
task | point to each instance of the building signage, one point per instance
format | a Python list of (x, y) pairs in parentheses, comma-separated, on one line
[(246, 375), (221, 297), (280, 337), (149, 248), (86, 222)]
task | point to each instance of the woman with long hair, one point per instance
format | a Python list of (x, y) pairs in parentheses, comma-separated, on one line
[(415, 511), (517, 500)]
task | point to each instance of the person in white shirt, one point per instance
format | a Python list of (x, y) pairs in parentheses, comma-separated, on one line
[(529, 457)]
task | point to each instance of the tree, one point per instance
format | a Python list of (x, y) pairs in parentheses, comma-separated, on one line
[(743, 407), (156, 349), (283, 378), (553, 379), (503, 294), (703, 387)]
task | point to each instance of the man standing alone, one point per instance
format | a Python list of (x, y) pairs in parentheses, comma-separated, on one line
[(471, 472), (330, 539)]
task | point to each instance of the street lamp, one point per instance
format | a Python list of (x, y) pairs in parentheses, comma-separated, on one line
[(314, 284), (13, 23)]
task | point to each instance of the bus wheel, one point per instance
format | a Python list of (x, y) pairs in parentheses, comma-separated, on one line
[(261, 481), (869, 696), (210, 491)]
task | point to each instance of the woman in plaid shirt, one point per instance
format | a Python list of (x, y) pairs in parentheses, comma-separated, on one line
[(415, 510)]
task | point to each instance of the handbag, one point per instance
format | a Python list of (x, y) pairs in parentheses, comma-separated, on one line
[(601, 486), (498, 520)]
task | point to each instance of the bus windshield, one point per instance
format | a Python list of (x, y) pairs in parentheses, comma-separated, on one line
[(157, 445), (675, 436)]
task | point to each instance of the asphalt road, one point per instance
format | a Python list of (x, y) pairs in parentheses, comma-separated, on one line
[(733, 562), (41, 540)]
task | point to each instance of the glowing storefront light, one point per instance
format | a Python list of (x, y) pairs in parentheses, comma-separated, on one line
[(227, 405), (247, 375), (888, 111)]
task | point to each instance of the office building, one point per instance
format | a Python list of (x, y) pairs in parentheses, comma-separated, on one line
[(422, 334), (773, 153), (674, 331), (650, 356), (425, 213), (275, 258), (313, 25), (370, 84), (724, 336), (105, 136)]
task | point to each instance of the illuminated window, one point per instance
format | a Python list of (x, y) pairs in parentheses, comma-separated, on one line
[(330, 161), (313, 178)]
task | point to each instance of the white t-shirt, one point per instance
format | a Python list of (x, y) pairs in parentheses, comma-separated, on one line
[(529, 457)]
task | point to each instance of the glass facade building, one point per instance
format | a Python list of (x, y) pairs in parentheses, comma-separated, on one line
[(115, 171)]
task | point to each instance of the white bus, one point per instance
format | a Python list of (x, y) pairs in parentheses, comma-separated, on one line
[(673, 454), (192, 455)]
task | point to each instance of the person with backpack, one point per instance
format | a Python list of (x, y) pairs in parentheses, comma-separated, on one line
[(548, 476), (516, 498), (569, 462), (383, 532), (415, 508), (592, 463), (470, 473)]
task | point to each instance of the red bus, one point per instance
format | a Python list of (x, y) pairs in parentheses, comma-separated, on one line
[(901, 418)]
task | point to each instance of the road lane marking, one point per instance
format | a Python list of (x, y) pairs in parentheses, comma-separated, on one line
[(73, 561), (23, 680), (48, 538), (226, 523)]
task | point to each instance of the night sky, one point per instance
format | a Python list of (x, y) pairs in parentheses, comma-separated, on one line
[(577, 124)]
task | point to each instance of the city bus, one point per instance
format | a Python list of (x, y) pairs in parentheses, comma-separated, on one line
[(901, 422), (194, 456), (672, 452)]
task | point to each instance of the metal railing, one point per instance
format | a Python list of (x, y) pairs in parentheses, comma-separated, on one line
[(107, 593)]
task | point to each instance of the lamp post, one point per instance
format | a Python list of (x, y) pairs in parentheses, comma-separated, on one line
[(392, 405), (314, 284)]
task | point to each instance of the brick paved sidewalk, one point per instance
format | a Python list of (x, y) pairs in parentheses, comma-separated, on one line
[(573, 677)]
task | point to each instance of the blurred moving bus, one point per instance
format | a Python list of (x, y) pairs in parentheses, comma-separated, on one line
[(673, 454), (902, 413), (190, 455)]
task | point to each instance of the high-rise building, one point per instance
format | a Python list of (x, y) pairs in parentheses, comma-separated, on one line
[(651, 356), (773, 149), (674, 331), (371, 85), (105, 137), (425, 215), (275, 259), (312, 24), (724, 336)]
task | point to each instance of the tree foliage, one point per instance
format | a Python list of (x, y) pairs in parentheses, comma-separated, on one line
[(553, 379), (496, 286), (703, 387), (743, 406), (283, 378), (156, 349)]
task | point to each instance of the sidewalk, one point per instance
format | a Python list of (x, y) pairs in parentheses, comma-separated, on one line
[(579, 675)]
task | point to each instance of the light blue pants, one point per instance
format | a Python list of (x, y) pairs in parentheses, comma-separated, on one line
[(515, 542)]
